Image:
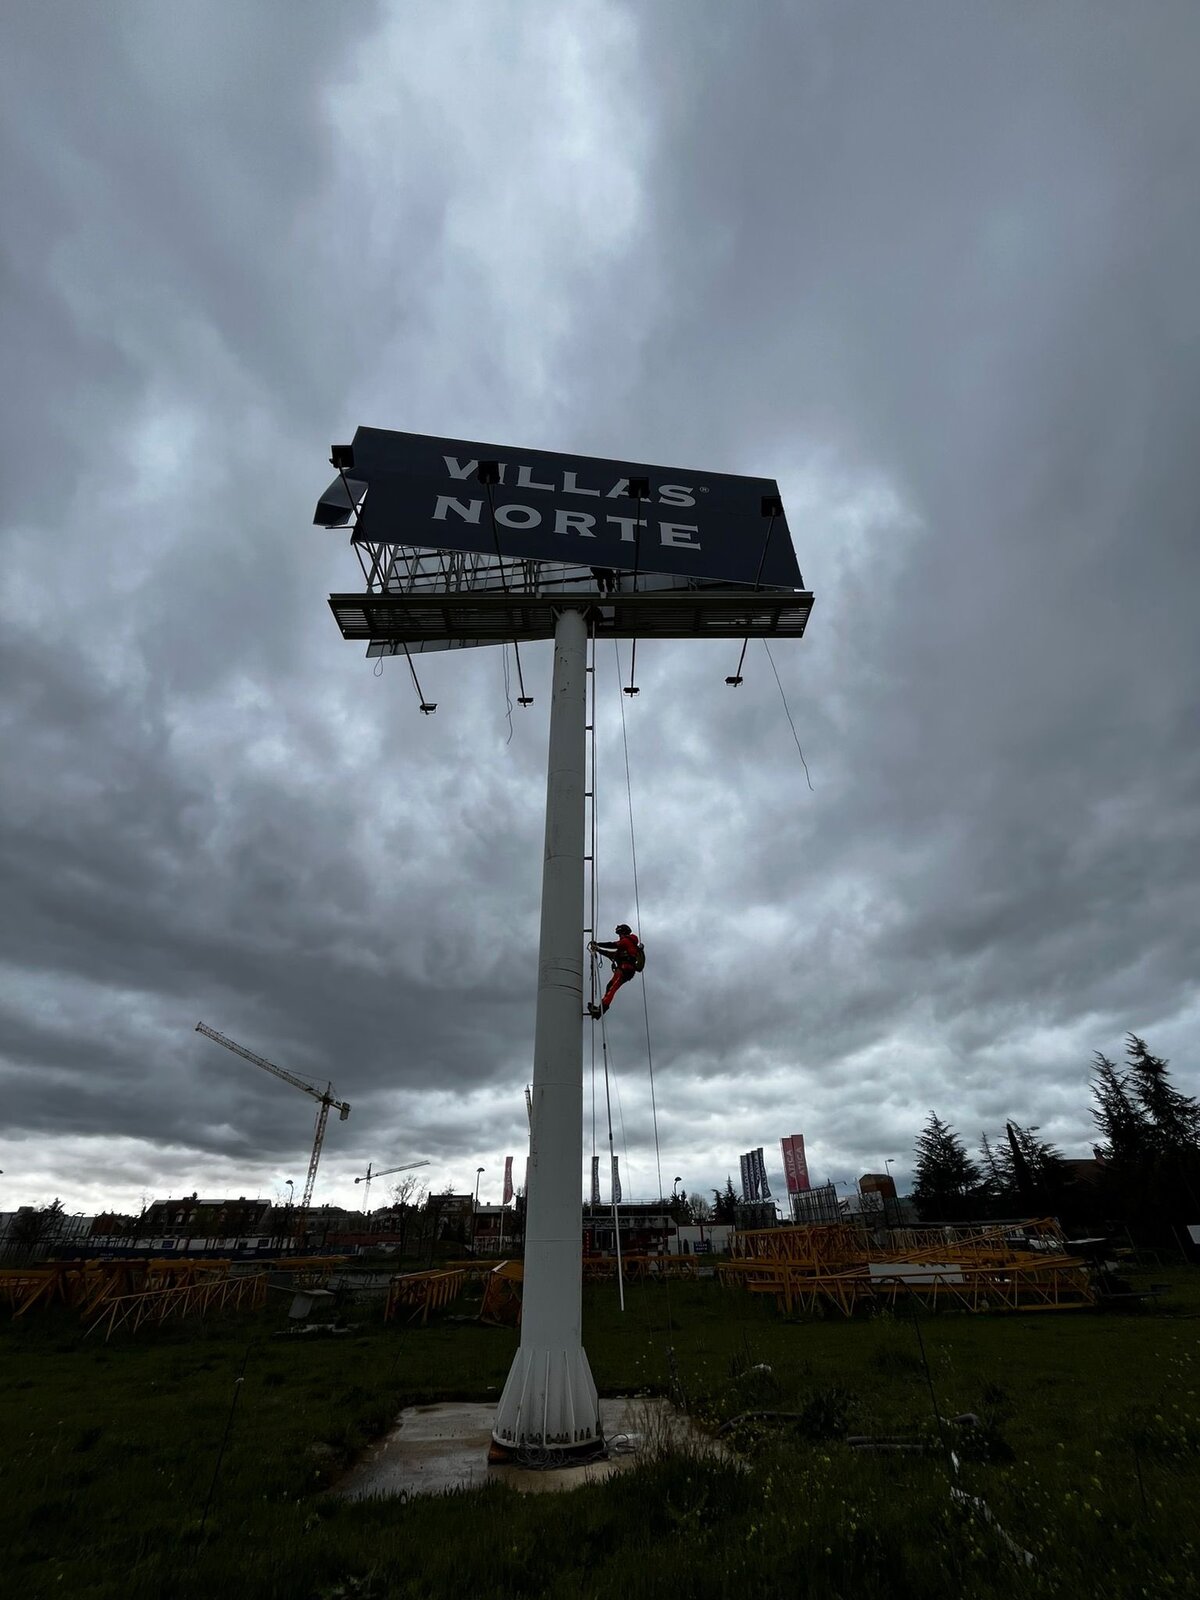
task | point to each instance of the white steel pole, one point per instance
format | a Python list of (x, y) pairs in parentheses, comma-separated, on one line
[(549, 1401)]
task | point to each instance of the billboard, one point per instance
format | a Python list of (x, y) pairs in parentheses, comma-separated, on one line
[(424, 491), (795, 1166)]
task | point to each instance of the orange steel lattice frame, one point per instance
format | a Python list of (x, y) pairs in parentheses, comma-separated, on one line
[(195, 1298), (89, 1286), (422, 1292), (838, 1267)]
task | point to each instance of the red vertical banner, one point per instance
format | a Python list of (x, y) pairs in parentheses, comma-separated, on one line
[(798, 1155), (508, 1188), (795, 1165)]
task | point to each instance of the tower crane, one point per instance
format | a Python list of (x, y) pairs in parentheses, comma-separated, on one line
[(368, 1175), (324, 1097)]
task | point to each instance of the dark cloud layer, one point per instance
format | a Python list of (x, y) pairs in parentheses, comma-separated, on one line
[(934, 270)]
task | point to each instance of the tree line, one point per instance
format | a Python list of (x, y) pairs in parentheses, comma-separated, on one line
[(1145, 1173)]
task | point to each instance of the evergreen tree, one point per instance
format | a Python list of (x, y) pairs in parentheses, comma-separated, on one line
[(725, 1203), (1174, 1117), (995, 1166), (1122, 1125), (1036, 1164), (1151, 1143), (947, 1180)]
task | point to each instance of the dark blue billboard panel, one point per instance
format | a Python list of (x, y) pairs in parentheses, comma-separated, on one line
[(426, 492)]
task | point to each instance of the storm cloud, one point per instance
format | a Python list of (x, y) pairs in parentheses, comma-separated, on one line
[(934, 268)]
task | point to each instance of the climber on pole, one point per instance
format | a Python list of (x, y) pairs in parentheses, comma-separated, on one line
[(628, 959)]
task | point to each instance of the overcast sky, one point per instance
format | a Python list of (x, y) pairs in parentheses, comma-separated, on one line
[(934, 267)]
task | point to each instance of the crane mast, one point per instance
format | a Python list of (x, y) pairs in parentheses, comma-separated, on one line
[(325, 1097)]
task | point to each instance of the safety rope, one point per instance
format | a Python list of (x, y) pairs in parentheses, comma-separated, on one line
[(612, 1168), (595, 892), (637, 906)]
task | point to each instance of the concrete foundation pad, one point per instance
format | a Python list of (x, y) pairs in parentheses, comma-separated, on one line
[(437, 1448)]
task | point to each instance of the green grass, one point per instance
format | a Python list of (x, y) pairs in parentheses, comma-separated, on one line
[(1089, 1457)]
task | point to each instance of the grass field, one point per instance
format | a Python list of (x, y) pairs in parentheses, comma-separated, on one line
[(1088, 1457)]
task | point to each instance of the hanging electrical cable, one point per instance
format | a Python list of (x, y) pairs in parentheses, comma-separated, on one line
[(507, 693)]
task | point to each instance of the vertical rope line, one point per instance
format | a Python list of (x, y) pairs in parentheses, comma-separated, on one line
[(611, 1158), (595, 891), (637, 906)]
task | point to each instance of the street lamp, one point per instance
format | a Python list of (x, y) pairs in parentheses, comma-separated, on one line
[(479, 1171)]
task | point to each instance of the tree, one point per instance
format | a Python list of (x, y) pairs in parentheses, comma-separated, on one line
[(996, 1175), (1174, 1117), (947, 1180), (725, 1204), (32, 1231), (1119, 1118), (408, 1198), (1036, 1168), (1151, 1142), (698, 1209)]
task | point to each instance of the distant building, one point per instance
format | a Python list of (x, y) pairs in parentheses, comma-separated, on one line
[(646, 1228), (753, 1214), (200, 1219), (700, 1239), (497, 1230), (192, 1226)]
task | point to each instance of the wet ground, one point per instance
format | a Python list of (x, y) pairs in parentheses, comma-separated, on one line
[(439, 1447)]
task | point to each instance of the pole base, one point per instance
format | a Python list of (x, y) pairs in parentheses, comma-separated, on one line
[(549, 1403), (502, 1455)]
